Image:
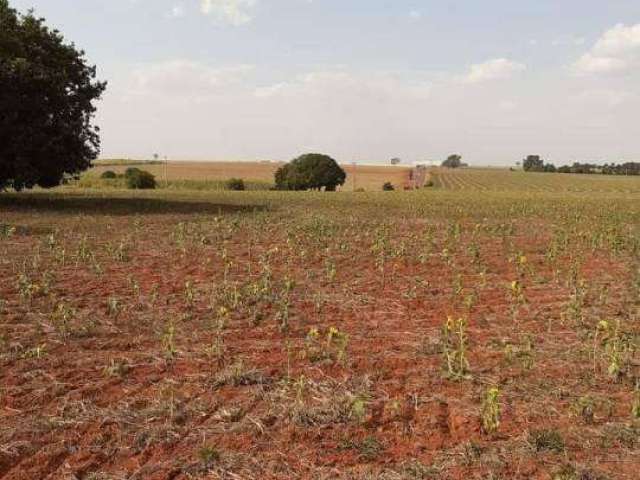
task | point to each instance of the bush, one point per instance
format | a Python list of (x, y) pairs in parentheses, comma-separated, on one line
[(236, 184), (140, 180), (109, 174), (312, 171), (131, 172), (388, 187)]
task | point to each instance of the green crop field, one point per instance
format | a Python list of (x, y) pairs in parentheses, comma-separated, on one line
[(486, 327)]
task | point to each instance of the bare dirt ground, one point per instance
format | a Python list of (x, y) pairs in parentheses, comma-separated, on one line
[(279, 336)]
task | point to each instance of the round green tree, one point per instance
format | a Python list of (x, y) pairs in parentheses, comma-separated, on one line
[(312, 171), (47, 91)]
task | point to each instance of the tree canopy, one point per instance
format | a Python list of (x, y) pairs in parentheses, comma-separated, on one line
[(47, 91), (312, 171), (453, 161)]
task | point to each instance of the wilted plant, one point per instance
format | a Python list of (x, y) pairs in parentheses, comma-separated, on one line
[(616, 347), (518, 298), (113, 307), (454, 348), (284, 304), (491, 411), (635, 407), (189, 294), (61, 318), (333, 347), (168, 341)]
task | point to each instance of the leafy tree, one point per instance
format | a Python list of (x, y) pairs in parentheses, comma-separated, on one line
[(453, 161), (533, 163), (47, 91), (312, 171)]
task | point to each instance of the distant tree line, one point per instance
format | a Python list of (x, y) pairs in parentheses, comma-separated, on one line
[(533, 163)]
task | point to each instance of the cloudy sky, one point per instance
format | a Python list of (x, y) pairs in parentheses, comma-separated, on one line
[(362, 80)]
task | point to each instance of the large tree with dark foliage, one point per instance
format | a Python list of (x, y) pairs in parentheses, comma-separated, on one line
[(453, 161), (312, 171), (47, 91), (533, 163)]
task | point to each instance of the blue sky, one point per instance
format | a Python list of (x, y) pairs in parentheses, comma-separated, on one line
[(362, 80)]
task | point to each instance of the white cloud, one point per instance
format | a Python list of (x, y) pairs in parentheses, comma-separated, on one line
[(618, 50), (177, 11), (568, 40), (232, 12), (603, 98), (184, 79), (507, 105), (350, 86), (496, 69), (592, 64)]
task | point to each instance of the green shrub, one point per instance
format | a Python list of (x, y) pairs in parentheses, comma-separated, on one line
[(236, 184), (109, 174), (140, 180), (388, 187), (131, 172), (546, 440)]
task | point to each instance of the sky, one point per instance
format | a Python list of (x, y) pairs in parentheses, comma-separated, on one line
[(362, 80)]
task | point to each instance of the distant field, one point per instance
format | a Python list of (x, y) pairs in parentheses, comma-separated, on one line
[(503, 180), (367, 177)]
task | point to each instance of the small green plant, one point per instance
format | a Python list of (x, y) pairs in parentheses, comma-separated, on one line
[(546, 440), (369, 448), (359, 409), (491, 411), (7, 231), (209, 456)]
